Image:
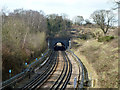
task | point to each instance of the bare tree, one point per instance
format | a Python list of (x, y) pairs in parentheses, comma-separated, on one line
[(116, 4), (64, 15), (87, 21), (79, 20), (103, 18)]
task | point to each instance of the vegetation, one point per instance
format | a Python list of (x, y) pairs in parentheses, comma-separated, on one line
[(105, 38), (104, 19), (24, 38), (78, 20), (57, 24), (100, 58), (25, 32)]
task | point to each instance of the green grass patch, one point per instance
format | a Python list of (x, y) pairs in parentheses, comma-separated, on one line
[(105, 38)]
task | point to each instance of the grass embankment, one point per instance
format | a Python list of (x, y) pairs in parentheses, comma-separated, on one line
[(100, 58)]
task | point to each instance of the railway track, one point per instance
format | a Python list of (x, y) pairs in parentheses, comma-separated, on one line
[(44, 72), (62, 80), (11, 83), (83, 80)]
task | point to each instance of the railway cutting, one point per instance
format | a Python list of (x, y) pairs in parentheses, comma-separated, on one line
[(59, 69)]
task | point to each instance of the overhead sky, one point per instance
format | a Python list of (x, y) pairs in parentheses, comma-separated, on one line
[(71, 7)]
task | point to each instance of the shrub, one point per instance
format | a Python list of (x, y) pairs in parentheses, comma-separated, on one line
[(105, 38), (86, 36), (19, 45)]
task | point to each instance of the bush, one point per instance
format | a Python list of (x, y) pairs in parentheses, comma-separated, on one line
[(20, 44), (105, 38), (86, 36)]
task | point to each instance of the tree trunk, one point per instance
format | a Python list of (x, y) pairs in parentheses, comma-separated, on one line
[(24, 40)]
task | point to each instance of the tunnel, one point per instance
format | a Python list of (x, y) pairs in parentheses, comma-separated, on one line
[(58, 43), (59, 46)]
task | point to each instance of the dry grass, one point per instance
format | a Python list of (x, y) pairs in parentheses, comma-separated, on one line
[(104, 60), (103, 56)]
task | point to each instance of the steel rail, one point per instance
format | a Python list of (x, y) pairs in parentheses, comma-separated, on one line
[(50, 74), (21, 75), (69, 74), (65, 75), (78, 67), (37, 77), (40, 78), (81, 85), (60, 77)]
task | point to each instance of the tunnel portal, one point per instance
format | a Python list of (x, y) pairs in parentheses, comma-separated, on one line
[(59, 43), (59, 46)]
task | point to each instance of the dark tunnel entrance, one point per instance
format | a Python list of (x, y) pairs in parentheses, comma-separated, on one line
[(59, 46)]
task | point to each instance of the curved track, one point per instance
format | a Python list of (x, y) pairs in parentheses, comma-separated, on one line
[(44, 72), (48, 69), (64, 76)]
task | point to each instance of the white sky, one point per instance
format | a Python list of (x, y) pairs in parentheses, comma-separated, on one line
[(71, 7)]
